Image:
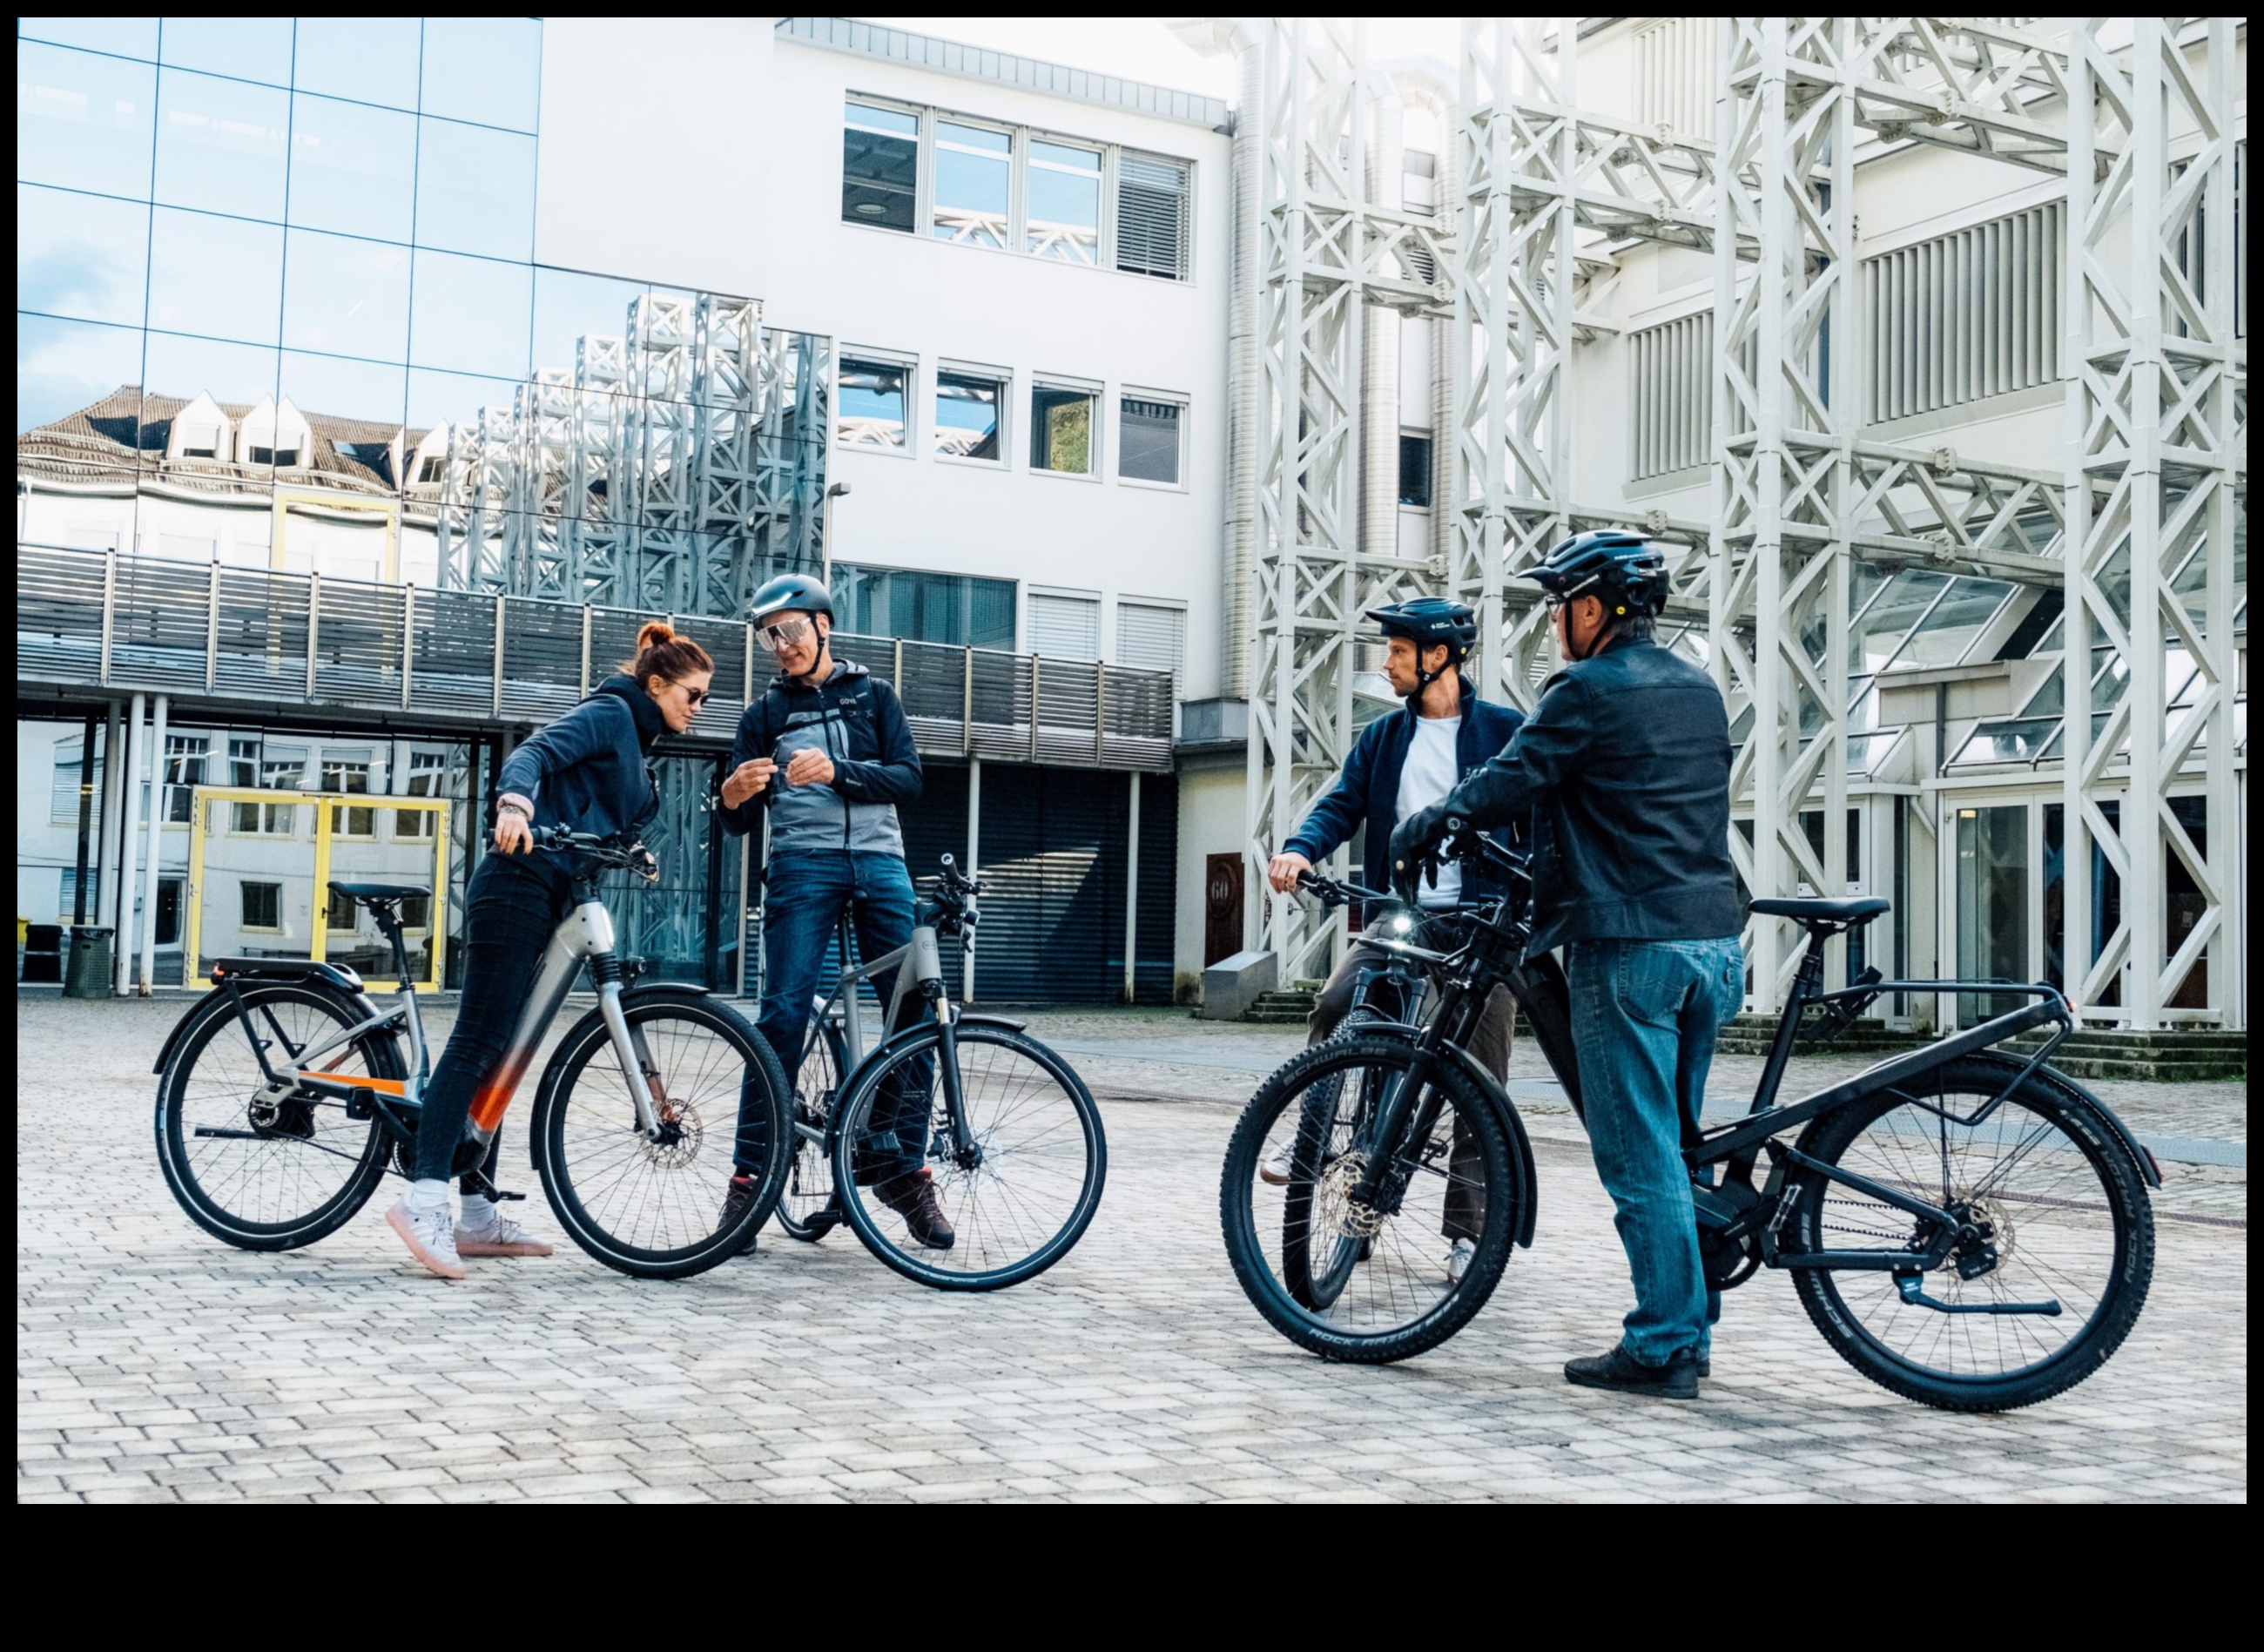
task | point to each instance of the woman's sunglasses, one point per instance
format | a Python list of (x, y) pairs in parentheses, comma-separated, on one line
[(697, 696)]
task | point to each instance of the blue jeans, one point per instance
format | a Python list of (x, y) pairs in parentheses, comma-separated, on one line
[(807, 890), (1644, 1016)]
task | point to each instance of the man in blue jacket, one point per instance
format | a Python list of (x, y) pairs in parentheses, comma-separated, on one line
[(1400, 764), (1624, 769), (827, 750)]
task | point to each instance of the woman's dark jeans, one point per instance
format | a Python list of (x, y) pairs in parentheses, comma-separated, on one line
[(514, 905)]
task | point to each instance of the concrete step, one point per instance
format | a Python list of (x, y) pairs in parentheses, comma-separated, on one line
[(1280, 1009), (2166, 1056)]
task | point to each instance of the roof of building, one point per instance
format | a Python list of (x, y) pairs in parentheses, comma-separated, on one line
[(130, 428), (1029, 73)]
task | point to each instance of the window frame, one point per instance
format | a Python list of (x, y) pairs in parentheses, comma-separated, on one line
[(1020, 136), (243, 887), (1096, 446), (906, 364), (1168, 398), (1003, 378)]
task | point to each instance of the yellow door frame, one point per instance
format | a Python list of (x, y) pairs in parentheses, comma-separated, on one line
[(319, 925)]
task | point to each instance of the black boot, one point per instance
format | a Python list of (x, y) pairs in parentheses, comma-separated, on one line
[(1623, 1372), (738, 1195), (912, 1196)]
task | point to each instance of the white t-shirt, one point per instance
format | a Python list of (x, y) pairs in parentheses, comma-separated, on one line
[(1429, 776)]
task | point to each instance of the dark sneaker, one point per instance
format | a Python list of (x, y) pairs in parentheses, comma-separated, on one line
[(1623, 1372), (912, 1196), (1705, 1366), (736, 1196)]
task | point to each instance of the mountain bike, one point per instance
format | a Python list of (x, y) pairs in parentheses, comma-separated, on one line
[(286, 1094), (1013, 1136), (1967, 1227)]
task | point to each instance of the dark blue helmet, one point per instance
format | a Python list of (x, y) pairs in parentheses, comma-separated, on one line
[(796, 591), (1616, 564), (1427, 622)]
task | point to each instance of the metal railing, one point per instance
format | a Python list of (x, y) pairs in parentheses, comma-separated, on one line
[(269, 640)]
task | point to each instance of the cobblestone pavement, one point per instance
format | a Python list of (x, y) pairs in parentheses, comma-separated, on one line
[(154, 1363)]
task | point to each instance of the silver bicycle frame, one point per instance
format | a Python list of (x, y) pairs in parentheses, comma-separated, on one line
[(919, 963)]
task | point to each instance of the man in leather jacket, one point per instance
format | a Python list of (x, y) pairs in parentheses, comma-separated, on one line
[(1624, 766)]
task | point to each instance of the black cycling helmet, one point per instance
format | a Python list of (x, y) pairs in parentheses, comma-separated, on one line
[(1616, 564), (796, 591), (1428, 622)]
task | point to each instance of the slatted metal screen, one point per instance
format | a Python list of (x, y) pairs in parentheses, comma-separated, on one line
[(1966, 316), (1673, 398), (1152, 215), (1674, 70)]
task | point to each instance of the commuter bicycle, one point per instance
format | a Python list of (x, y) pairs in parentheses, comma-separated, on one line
[(1968, 1228), (286, 1094), (1014, 1139)]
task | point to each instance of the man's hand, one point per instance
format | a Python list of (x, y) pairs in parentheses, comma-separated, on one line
[(747, 780), (1412, 843), (808, 767), (514, 821), (1282, 871)]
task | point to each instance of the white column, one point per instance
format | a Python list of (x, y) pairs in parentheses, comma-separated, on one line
[(974, 864), (130, 801), (156, 842), (1132, 894)]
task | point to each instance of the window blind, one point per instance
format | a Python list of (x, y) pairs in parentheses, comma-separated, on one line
[(1152, 215), (1064, 628), (1152, 638)]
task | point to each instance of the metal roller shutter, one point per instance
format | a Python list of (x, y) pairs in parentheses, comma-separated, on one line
[(1053, 842), (1154, 979), (1152, 638)]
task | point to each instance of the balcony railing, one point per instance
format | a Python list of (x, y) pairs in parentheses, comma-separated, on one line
[(263, 639)]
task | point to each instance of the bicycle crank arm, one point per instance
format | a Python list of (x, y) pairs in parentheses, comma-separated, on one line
[(208, 1133), (1914, 1291)]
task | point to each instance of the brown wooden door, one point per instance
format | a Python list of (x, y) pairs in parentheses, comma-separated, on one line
[(1221, 907)]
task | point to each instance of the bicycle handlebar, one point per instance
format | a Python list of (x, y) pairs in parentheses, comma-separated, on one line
[(1333, 892), (627, 853)]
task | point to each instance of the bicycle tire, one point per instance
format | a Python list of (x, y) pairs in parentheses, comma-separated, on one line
[(1309, 1327), (1318, 1289), (2055, 1217), (704, 1151), (365, 1145), (806, 1208), (975, 1197)]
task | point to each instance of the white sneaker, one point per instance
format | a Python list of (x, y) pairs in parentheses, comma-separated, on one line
[(430, 1236), (1274, 1169), (1458, 1260), (501, 1237)]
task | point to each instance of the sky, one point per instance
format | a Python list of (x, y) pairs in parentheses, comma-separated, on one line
[(1142, 48)]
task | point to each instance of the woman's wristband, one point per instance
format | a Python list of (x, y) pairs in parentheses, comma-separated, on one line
[(516, 807)]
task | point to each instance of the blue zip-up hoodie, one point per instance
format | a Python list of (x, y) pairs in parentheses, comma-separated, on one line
[(586, 772), (1367, 791), (856, 720)]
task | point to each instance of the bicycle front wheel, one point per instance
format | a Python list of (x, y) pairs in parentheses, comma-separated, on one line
[(1016, 1198), (653, 1207), (1350, 1281), (2060, 1252), (262, 1170)]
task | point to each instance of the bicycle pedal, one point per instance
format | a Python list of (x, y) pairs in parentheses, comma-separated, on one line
[(499, 1195)]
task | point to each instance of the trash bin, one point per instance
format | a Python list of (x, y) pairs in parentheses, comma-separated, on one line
[(88, 975), (43, 947)]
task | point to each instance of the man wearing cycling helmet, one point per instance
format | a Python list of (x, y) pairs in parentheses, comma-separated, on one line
[(827, 752), (1624, 771), (1401, 765)]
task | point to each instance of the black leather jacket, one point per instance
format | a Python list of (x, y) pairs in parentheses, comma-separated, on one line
[(1625, 768)]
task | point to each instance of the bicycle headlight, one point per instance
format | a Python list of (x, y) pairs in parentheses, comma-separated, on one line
[(1401, 924)]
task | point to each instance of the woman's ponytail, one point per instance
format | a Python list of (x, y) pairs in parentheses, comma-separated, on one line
[(662, 652)]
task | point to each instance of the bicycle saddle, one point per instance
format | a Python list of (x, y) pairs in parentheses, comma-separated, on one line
[(1855, 909), (370, 894)]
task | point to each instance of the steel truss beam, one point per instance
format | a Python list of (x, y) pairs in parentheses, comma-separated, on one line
[(2156, 477)]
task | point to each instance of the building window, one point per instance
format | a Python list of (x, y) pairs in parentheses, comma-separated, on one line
[(1152, 636), (1064, 197), (272, 769), (1415, 471), (1060, 429), (170, 890), (1673, 400), (924, 607), (185, 770), (1064, 625), (974, 182), (1148, 441), (880, 167), (416, 912), (340, 915), (263, 906), (67, 905), (1966, 316), (1152, 227), (872, 405), (425, 771), (967, 410), (350, 775), (63, 804)]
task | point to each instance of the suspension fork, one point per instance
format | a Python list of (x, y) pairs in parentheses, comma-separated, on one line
[(1410, 1108), (639, 1071)]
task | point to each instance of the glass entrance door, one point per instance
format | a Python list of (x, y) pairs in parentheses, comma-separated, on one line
[(1993, 905)]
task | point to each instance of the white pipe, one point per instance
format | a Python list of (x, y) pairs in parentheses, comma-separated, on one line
[(1379, 345), (129, 796), (1424, 86), (974, 869), (114, 777), (156, 842)]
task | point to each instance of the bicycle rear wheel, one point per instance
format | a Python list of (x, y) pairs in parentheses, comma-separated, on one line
[(261, 1171), (1025, 1191), (807, 1209), (2060, 1215), (1346, 1282), (654, 1208)]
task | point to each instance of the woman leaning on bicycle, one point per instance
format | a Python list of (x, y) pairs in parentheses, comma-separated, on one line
[(586, 773)]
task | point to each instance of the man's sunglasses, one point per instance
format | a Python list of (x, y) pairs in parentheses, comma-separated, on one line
[(781, 637)]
